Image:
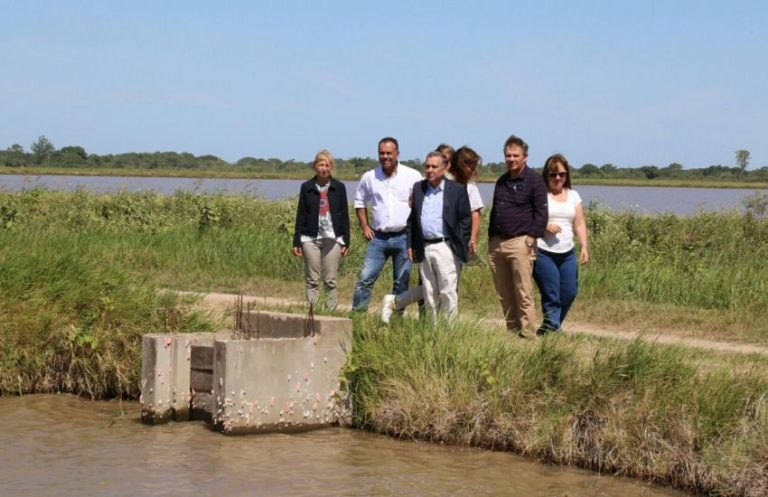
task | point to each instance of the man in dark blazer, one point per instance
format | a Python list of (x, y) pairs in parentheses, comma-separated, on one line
[(438, 236)]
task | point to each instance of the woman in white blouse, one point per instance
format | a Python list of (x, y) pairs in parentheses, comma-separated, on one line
[(556, 269)]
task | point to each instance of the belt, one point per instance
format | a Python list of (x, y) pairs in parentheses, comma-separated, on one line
[(509, 237), (387, 234), (430, 241)]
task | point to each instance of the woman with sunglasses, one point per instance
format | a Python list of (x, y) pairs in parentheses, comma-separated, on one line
[(555, 270)]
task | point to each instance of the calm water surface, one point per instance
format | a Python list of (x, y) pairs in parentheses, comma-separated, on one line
[(64, 446), (646, 200)]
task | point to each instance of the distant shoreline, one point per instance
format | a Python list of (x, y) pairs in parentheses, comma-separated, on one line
[(199, 173)]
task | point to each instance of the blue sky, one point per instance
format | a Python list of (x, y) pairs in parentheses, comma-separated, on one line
[(630, 83)]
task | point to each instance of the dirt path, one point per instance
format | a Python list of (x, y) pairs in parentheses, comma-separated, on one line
[(225, 301)]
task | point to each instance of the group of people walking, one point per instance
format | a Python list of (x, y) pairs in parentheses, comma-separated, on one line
[(435, 221)]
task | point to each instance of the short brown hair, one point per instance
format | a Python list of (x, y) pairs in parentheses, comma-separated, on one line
[(516, 141)]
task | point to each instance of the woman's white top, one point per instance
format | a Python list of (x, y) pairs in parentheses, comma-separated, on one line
[(475, 200), (561, 214)]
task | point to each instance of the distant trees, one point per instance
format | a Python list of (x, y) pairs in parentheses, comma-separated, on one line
[(70, 157), (742, 161), (590, 170), (650, 172), (673, 170), (14, 156), (42, 149), (43, 152)]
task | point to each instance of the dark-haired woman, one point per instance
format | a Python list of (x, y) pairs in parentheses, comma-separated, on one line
[(463, 169), (556, 270)]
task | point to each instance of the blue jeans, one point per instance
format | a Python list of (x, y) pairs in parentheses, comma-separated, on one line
[(558, 280), (383, 246)]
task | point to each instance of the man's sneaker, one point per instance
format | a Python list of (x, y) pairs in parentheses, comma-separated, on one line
[(387, 307)]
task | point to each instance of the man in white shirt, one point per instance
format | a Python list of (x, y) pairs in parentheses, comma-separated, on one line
[(386, 190)]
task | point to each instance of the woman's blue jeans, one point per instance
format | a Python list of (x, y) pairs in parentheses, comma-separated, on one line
[(382, 247), (557, 277)]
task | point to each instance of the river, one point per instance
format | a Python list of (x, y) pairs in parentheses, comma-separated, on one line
[(645, 200), (65, 446)]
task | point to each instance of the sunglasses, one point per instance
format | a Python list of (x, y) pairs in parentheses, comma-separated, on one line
[(558, 175)]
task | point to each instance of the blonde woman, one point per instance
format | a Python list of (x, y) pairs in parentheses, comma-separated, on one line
[(321, 234)]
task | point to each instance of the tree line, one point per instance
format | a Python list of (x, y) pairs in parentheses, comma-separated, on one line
[(43, 153)]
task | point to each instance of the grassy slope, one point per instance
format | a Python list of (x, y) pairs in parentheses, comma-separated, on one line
[(79, 275)]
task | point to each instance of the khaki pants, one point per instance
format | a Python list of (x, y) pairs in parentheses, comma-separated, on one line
[(511, 263), (440, 275), (321, 256)]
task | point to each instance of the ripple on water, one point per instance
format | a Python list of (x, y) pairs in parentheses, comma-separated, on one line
[(69, 447)]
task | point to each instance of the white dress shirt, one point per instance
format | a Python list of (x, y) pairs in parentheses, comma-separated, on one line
[(387, 197)]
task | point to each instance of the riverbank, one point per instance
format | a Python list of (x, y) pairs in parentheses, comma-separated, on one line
[(695, 421), (81, 273), (485, 177)]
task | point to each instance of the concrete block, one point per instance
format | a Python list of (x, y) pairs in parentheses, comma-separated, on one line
[(166, 375), (287, 380), (283, 381)]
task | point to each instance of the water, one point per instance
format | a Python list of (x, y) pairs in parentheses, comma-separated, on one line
[(69, 447), (645, 200)]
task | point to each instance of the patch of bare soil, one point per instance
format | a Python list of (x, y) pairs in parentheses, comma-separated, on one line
[(223, 302)]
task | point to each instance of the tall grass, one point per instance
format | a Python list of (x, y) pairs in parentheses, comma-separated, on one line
[(79, 280), (710, 260), (637, 409), (75, 267)]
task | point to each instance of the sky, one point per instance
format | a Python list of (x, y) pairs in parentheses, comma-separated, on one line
[(628, 83)]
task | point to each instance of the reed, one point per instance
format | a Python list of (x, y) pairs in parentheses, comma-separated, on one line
[(80, 274), (638, 409), (72, 315), (673, 268)]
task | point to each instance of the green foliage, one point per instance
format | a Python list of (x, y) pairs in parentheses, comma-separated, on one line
[(42, 149), (73, 312), (742, 159), (710, 260), (70, 157), (43, 153), (756, 204), (637, 408)]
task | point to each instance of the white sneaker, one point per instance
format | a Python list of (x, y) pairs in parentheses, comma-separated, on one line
[(387, 307)]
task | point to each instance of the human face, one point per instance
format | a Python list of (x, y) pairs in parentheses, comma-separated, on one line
[(446, 158), (468, 169), (323, 171), (388, 155), (434, 170), (556, 178), (515, 158)]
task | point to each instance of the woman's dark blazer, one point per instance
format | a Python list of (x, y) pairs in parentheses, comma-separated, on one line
[(308, 211)]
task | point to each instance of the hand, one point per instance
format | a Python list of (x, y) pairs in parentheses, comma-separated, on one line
[(530, 242), (472, 248), (368, 233), (297, 251), (553, 228), (344, 250), (584, 256), (410, 255)]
